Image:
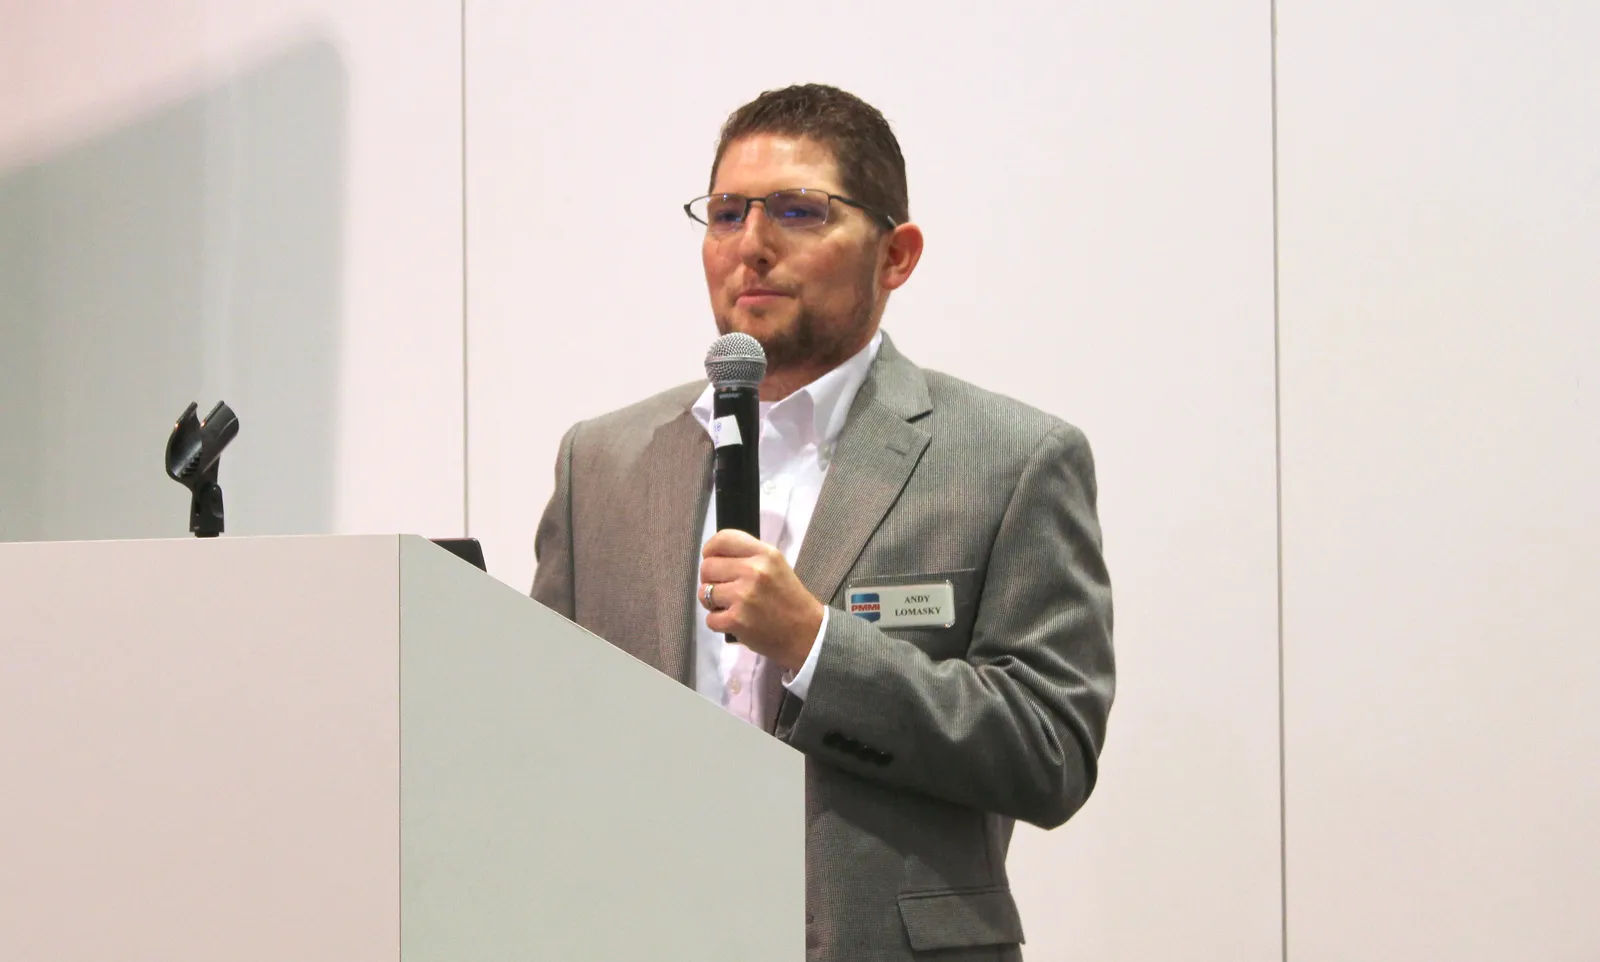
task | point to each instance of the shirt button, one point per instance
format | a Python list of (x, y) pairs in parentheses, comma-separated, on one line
[(771, 487), (734, 686)]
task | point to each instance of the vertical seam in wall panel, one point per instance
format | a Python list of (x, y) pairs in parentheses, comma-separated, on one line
[(466, 392), (1277, 446), (400, 741)]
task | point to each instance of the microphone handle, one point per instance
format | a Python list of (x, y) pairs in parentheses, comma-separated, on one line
[(738, 464)]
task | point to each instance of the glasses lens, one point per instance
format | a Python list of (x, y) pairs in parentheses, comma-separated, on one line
[(798, 208), (720, 212)]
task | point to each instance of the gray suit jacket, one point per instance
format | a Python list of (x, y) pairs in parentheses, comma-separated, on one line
[(922, 745)]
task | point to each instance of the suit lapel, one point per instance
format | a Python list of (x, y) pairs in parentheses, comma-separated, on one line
[(875, 458), (875, 455), (677, 464)]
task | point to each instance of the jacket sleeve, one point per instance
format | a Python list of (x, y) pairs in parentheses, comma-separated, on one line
[(1016, 726), (552, 545)]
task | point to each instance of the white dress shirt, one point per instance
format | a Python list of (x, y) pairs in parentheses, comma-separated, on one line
[(798, 435)]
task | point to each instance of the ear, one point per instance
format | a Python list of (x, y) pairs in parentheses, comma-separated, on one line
[(902, 250)]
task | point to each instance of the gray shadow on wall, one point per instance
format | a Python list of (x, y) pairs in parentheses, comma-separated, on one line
[(193, 255)]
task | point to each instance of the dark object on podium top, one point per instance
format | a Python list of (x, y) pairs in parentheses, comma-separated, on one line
[(194, 454), (467, 549)]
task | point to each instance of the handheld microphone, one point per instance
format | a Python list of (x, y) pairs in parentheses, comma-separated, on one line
[(735, 365)]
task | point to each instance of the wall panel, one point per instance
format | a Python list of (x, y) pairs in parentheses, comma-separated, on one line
[(1440, 231), (209, 199)]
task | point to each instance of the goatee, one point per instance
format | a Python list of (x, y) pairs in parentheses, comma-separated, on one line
[(806, 343)]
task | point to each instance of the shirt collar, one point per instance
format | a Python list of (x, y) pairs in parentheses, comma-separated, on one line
[(828, 397)]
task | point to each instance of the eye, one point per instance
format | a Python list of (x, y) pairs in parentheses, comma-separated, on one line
[(802, 210)]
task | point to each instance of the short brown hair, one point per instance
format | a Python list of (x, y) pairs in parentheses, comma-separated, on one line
[(871, 167)]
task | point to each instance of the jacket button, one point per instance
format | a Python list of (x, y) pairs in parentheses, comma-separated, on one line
[(882, 758)]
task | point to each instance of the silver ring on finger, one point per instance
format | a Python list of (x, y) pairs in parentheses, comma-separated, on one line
[(705, 595)]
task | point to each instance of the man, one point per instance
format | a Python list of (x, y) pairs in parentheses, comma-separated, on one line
[(972, 684)]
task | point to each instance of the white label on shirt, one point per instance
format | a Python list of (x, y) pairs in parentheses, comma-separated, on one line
[(904, 606), (725, 431)]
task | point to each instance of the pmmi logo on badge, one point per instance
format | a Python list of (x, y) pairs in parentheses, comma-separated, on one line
[(866, 605)]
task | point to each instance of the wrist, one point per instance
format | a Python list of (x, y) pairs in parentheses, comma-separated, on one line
[(805, 638)]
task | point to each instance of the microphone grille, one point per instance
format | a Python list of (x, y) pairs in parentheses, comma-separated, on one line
[(736, 360)]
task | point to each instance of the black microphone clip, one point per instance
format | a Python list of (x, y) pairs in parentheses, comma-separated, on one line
[(194, 454)]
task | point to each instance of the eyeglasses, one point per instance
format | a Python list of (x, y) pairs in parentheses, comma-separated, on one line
[(799, 208)]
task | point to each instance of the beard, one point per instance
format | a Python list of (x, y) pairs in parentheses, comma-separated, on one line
[(811, 341)]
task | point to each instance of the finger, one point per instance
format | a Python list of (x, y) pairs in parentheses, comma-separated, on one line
[(733, 543), (721, 595), (725, 621), (717, 570)]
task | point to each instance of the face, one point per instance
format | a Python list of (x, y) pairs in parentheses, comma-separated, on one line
[(810, 296)]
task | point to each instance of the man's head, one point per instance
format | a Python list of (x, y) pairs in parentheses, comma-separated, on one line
[(811, 292)]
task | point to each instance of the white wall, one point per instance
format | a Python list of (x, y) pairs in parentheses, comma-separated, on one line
[(1440, 246), (1095, 183), (205, 199), (265, 202)]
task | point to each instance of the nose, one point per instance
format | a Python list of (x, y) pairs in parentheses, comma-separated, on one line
[(758, 239)]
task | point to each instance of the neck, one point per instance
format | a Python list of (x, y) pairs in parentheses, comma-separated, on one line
[(779, 384), (783, 380)]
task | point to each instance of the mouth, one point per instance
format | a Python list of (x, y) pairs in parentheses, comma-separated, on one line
[(758, 296)]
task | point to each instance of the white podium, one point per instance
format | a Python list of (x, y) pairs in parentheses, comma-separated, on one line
[(363, 748)]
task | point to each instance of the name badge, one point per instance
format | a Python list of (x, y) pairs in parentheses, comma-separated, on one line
[(931, 605)]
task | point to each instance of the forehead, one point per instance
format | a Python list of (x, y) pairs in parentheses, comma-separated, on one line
[(762, 163)]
